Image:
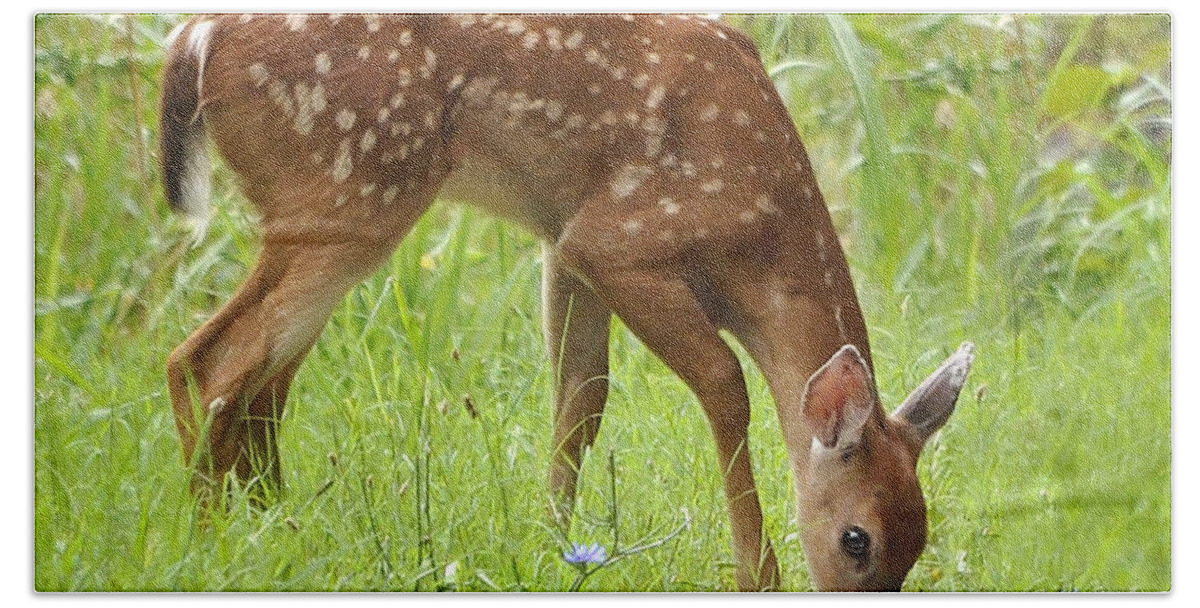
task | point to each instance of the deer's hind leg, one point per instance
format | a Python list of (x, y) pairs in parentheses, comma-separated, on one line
[(261, 465), (242, 360)]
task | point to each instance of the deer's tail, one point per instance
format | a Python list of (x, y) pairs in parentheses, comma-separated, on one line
[(186, 165)]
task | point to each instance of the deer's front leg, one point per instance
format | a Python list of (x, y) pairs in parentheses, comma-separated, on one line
[(659, 307), (576, 329)]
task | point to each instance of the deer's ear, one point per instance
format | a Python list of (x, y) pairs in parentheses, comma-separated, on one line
[(838, 399), (931, 403)]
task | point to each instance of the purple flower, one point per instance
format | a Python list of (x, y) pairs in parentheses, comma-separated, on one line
[(585, 554)]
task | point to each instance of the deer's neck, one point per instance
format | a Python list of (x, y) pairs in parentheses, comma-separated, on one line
[(811, 311)]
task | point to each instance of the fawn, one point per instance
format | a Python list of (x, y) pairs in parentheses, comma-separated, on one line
[(655, 160)]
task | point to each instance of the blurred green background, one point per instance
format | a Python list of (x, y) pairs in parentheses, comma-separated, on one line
[(999, 178)]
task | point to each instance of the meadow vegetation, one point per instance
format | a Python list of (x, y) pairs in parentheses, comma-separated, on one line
[(1002, 179)]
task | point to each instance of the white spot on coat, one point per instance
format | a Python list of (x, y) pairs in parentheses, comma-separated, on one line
[(478, 89), (389, 195), (629, 178), (574, 121), (430, 63), (655, 97), (278, 93), (345, 119), (516, 27), (367, 142), (309, 103), (258, 72), (764, 204), (296, 22), (323, 63), (654, 124), (574, 40), (554, 111), (552, 41), (343, 165), (653, 145)]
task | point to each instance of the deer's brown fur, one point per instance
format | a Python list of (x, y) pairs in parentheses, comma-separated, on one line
[(653, 157)]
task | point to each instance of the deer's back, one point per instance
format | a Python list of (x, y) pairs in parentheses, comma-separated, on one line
[(670, 123)]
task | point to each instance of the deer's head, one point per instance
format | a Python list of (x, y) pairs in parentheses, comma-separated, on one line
[(862, 514)]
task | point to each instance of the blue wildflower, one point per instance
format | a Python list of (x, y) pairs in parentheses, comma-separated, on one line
[(585, 554)]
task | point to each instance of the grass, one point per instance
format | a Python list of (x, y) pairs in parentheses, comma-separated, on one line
[(995, 178)]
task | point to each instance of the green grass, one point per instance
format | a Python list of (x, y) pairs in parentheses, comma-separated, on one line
[(1004, 180)]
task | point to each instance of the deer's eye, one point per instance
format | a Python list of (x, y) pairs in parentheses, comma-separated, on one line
[(856, 542)]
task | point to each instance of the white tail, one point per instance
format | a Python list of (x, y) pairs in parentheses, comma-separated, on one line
[(187, 167), (654, 158)]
